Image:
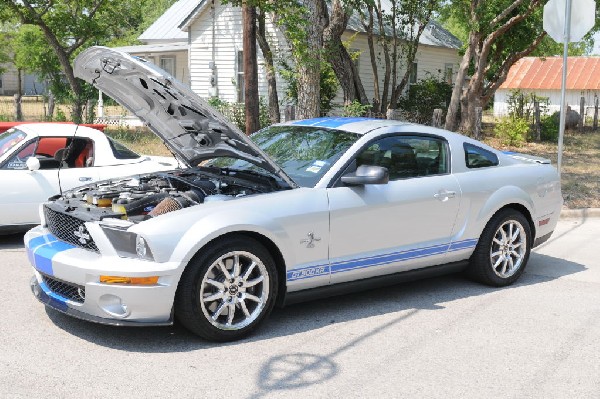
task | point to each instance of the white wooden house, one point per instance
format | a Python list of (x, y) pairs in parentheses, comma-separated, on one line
[(209, 34), (543, 77)]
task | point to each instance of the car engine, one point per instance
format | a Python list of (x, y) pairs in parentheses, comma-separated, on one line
[(147, 196)]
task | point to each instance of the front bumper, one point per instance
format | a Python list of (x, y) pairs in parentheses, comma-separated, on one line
[(59, 304), (80, 270)]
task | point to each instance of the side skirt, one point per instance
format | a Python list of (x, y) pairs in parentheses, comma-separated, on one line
[(373, 282)]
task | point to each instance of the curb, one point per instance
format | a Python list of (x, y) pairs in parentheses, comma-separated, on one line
[(580, 213)]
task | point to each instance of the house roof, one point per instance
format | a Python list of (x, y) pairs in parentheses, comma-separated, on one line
[(583, 73), (433, 35), (166, 27), (154, 48)]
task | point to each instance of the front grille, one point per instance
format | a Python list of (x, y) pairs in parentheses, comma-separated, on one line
[(70, 229), (72, 292)]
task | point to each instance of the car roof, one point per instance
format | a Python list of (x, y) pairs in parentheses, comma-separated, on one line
[(359, 125)]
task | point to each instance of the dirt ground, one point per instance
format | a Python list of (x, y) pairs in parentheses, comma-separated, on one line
[(580, 165)]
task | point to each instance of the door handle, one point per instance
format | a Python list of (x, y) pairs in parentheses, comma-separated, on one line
[(444, 195), (83, 178)]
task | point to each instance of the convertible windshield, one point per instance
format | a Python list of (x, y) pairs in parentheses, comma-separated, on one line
[(305, 153), (10, 139)]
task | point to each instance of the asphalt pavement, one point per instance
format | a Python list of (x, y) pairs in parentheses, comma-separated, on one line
[(445, 337)]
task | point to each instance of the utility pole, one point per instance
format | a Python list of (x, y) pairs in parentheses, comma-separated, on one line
[(251, 100)]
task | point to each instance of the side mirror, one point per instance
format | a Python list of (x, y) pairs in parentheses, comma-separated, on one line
[(367, 174), (32, 163)]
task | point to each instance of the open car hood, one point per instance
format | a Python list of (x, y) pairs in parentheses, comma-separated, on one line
[(190, 127)]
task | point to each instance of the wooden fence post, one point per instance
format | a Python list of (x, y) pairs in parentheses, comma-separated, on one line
[(18, 109), (393, 114), (538, 122), (595, 126), (581, 113), (436, 120), (478, 119)]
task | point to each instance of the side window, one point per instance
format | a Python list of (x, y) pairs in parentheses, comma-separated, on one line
[(78, 153), (18, 161), (407, 156), (477, 157)]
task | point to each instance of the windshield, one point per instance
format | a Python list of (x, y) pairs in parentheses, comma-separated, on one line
[(305, 153), (10, 139)]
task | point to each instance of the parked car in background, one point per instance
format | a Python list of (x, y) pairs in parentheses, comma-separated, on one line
[(301, 210), (38, 161)]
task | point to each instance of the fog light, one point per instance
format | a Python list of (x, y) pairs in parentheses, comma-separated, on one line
[(113, 306), (152, 280)]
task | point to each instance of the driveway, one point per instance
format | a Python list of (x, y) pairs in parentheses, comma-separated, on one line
[(442, 337)]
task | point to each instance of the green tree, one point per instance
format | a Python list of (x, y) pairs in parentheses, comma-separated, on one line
[(70, 25), (498, 33)]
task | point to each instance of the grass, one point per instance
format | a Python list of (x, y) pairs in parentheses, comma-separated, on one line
[(140, 140)]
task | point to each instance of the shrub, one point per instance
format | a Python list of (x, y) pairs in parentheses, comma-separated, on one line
[(236, 113), (425, 96), (550, 127), (356, 109), (512, 131)]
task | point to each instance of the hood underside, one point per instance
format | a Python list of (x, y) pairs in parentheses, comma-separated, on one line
[(190, 127)]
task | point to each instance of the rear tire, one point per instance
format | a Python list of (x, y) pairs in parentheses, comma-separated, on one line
[(228, 290), (503, 249)]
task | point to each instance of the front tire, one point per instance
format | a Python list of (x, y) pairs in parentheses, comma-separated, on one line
[(226, 291), (503, 250)]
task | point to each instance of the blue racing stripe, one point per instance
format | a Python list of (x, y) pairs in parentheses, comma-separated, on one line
[(387, 258), (329, 122), (41, 255), (57, 300), (377, 260)]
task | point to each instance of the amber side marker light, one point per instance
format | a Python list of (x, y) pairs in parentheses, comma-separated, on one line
[(129, 280)]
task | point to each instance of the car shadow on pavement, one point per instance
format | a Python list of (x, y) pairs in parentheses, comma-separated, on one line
[(407, 298), (12, 241)]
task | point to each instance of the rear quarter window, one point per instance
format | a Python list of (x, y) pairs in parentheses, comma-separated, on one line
[(477, 157)]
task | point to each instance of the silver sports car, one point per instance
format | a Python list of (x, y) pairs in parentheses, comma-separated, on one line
[(301, 210)]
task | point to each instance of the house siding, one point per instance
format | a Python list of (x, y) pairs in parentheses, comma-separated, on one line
[(572, 99), (228, 40)]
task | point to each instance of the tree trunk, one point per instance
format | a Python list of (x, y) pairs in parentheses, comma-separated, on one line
[(18, 110), (274, 113), (338, 56), (457, 91), (250, 69), (309, 62), (376, 106)]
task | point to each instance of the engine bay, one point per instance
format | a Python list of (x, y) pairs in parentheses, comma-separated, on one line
[(147, 196)]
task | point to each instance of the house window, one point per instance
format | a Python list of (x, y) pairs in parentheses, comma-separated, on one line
[(0, 80), (240, 76), (168, 64), (449, 73), (413, 73)]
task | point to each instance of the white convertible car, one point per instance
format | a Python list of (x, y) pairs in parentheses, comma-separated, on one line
[(38, 161), (302, 210)]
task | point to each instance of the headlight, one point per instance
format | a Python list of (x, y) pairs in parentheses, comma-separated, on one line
[(127, 244)]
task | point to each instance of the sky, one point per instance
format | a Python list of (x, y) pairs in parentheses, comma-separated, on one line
[(596, 50)]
